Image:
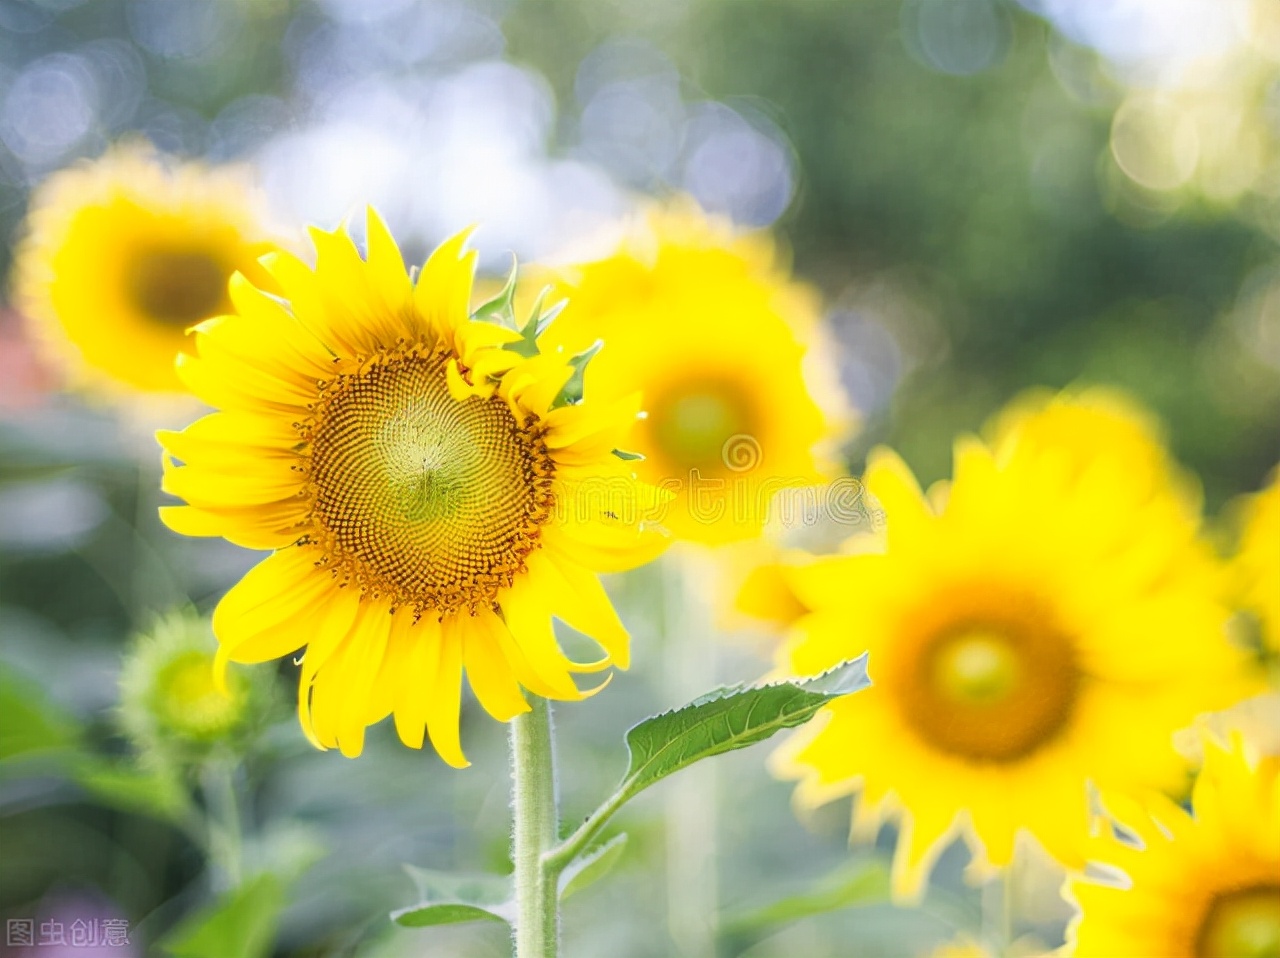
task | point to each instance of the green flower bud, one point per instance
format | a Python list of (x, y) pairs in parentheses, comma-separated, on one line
[(170, 705)]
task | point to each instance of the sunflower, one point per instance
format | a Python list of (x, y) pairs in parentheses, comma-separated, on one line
[(431, 497), (709, 328), (1256, 566), (1205, 884), (1046, 620), (123, 254), (765, 591), (170, 706)]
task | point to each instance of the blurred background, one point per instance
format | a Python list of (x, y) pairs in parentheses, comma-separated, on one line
[(989, 196)]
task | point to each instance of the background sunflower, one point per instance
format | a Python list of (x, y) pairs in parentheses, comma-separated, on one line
[(1035, 633), (122, 255), (1204, 882)]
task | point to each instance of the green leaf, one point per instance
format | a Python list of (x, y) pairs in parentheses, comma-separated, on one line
[(858, 883), (571, 393), (592, 866), (728, 719), (31, 722), (131, 789), (423, 916), (446, 898), (241, 923)]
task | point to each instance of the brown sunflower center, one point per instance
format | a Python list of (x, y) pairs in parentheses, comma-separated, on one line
[(432, 501), (1242, 924), (992, 691), (692, 424), (178, 286)]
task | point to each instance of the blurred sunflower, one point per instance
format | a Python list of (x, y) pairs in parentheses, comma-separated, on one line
[(765, 592), (431, 498), (710, 329), (123, 254), (1205, 884), (169, 705), (1046, 620), (1256, 566)]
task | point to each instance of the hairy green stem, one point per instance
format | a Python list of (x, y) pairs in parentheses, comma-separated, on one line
[(561, 855), (534, 832)]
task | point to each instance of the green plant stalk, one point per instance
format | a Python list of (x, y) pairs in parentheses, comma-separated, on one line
[(691, 811), (534, 827), (225, 842)]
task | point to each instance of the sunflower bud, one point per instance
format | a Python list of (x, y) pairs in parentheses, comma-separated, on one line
[(171, 706)]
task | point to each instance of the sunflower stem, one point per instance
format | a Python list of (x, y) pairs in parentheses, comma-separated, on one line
[(534, 829), (691, 810), (223, 809)]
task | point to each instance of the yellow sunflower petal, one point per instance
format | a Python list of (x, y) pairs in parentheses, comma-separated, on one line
[(256, 617), (444, 705), (576, 597), (363, 661), (491, 677), (420, 660), (442, 294)]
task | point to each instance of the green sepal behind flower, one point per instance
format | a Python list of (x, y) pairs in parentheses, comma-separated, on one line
[(571, 393)]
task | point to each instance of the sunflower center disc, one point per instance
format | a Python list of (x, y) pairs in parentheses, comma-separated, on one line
[(992, 692), (977, 669), (691, 426), (432, 501), (1242, 924), (178, 286)]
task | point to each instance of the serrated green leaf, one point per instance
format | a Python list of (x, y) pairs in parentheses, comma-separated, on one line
[(730, 718), (446, 898), (241, 923), (571, 393), (592, 865)]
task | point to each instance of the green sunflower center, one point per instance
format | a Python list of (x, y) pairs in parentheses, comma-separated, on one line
[(187, 702), (691, 425), (992, 691), (178, 286), (432, 501), (1242, 924), (977, 669)]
